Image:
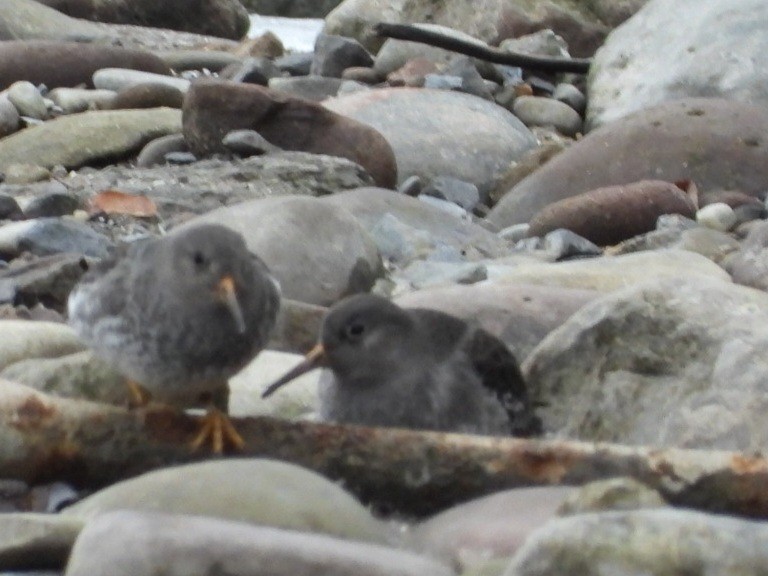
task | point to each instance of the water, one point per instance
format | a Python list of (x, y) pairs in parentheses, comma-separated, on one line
[(296, 34)]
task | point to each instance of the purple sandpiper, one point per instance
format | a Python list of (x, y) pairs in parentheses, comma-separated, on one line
[(177, 316), (415, 368)]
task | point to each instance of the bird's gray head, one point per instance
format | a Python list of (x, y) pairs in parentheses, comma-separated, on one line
[(215, 265), (363, 335)]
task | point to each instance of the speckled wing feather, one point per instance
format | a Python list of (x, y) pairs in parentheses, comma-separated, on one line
[(500, 372)]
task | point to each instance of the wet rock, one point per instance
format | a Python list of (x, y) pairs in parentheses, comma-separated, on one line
[(564, 244), (155, 151), (334, 54), (214, 108), (676, 334), (58, 64), (78, 139), (45, 236), (25, 174), (690, 139), (248, 143), (570, 95), (36, 541), (78, 375), (718, 216), (315, 88), (9, 208), (749, 265), (134, 544), (255, 491), (613, 494), (27, 99), (611, 273), (454, 190), (119, 79), (647, 61), (406, 229), (438, 133), (471, 534), (307, 270), (643, 542), (24, 340), (28, 20), (9, 117), (539, 111), (521, 315), (74, 100), (51, 205)]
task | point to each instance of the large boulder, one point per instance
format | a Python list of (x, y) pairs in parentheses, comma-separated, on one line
[(716, 143), (721, 51), (670, 362), (440, 133), (30, 20), (318, 252), (223, 18), (647, 542)]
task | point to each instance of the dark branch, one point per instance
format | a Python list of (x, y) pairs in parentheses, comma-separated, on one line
[(478, 49)]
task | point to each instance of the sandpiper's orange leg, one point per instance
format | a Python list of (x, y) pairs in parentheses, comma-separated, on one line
[(217, 429)]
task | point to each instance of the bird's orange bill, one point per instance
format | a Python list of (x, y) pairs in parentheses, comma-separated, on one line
[(225, 290), (315, 358)]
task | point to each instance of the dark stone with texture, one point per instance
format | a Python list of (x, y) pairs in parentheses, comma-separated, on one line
[(58, 64), (214, 108), (54, 204)]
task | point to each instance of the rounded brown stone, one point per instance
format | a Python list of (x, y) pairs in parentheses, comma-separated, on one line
[(58, 64), (213, 108), (612, 214)]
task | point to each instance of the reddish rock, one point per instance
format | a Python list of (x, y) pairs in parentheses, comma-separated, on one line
[(57, 64), (213, 108), (718, 144), (613, 214)]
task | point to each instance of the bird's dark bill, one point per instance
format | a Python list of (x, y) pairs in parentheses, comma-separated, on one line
[(315, 358)]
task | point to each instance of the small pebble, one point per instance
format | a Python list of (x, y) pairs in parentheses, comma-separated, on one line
[(718, 216)]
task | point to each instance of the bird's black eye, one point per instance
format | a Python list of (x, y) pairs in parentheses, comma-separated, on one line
[(199, 259), (354, 331)]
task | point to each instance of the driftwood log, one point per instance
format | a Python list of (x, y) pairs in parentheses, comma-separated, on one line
[(479, 49), (43, 438)]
